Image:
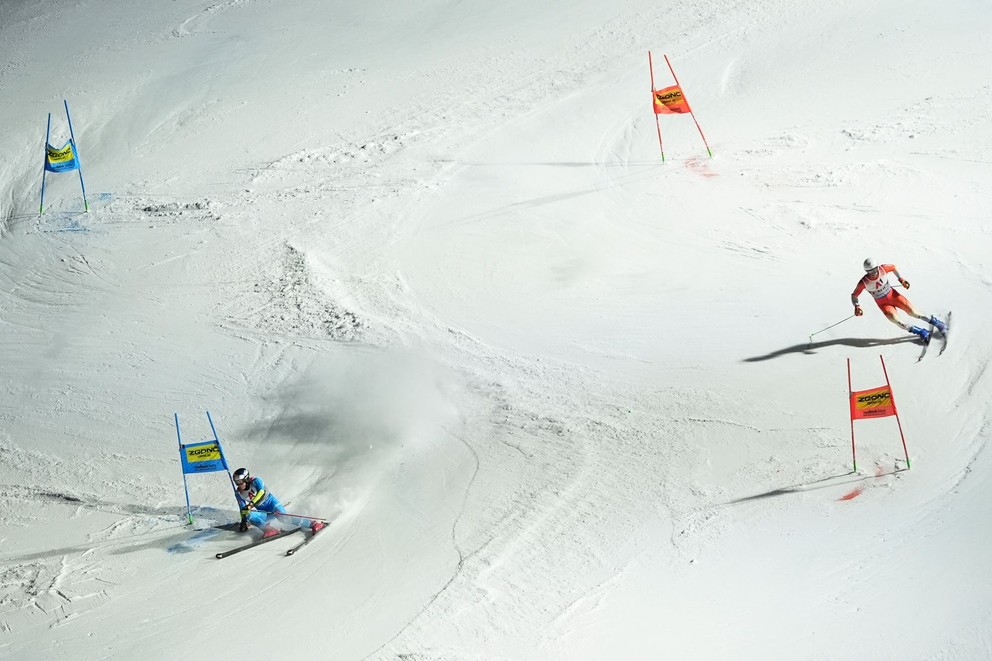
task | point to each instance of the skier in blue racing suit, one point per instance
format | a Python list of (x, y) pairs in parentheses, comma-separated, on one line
[(259, 506)]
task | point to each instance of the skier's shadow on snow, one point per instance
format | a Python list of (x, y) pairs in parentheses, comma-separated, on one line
[(823, 483), (812, 347), (169, 539)]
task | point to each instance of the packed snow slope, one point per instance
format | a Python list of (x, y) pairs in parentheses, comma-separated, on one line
[(424, 265)]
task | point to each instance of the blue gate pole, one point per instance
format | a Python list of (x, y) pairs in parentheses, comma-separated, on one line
[(189, 513), (44, 167), (79, 160), (223, 459)]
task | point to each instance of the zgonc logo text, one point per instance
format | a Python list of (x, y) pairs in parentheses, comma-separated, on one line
[(875, 399)]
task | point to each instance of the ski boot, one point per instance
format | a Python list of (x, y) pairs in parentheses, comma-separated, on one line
[(938, 324), (269, 531), (316, 526), (922, 332)]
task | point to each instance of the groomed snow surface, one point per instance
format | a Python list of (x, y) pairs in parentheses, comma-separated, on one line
[(425, 267)]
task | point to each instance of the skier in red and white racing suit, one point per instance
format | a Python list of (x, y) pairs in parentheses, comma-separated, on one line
[(876, 282)]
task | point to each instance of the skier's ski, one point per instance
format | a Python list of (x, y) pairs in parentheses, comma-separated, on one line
[(257, 542), (306, 541), (943, 336)]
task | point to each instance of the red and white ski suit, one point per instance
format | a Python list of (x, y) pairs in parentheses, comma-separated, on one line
[(886, 298)]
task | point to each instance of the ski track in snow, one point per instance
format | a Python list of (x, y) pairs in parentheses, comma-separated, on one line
[(490, 495)]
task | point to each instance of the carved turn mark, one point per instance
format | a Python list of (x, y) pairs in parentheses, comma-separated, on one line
[(858, 490), (191, 26), (700, 167), (854, 493)]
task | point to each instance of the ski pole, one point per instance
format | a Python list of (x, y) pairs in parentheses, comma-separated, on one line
[(828, 328), (299, 516)]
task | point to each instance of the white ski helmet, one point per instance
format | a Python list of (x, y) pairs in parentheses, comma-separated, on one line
[(241, 476), (870, 264)]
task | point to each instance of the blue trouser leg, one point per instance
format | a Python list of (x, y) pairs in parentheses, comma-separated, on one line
[(261, 518), (290, 520), (258, 518)]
